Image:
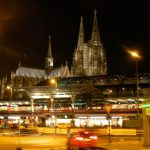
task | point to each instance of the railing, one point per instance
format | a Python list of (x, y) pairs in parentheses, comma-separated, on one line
[(68, 111)]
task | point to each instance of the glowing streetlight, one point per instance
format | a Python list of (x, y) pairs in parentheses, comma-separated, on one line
[(54, 81), (135, 54), (52, 107), (9, 88), (137, 57)]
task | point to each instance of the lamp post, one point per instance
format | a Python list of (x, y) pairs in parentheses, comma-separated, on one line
[(32, 111), (52, 105), (9, 87), (108, 109), (72, 107), (32, 106), (54, 81), (137, 57)]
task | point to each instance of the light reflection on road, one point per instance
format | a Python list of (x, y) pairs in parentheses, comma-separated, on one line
[(58, 142), (30, 141)]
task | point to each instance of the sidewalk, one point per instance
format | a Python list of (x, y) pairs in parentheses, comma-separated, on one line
[(124, 145)]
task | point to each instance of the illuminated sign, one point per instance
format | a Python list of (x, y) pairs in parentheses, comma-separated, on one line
[(145, 105), (148, 111)]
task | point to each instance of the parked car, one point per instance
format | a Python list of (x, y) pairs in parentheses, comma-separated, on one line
[(83, 139)]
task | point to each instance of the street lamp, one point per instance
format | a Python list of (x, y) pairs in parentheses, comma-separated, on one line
[(9, 88), (137, 57), (52, 100), (108, 108), (54, 81)]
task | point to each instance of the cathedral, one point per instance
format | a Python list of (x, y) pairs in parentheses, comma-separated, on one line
[(89, 59), (27, 77)]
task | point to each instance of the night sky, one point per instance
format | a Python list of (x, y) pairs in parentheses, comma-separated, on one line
[(26, 24)]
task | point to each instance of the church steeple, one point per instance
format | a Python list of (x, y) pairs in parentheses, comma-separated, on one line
[(89, 58), (95, 39), (81, 35), (49, 53), (49, 58), (98, 54), (78, 54)]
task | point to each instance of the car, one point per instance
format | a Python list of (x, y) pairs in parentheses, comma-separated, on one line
[(83, 139)]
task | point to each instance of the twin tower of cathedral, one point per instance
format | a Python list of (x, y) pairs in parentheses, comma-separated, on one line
[(89, 58)]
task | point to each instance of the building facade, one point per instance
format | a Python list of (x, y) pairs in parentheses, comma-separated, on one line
[(89, 58), (26, 77), (67, 101)]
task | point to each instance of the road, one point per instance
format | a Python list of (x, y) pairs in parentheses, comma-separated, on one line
[(33, 142), (58, 142)]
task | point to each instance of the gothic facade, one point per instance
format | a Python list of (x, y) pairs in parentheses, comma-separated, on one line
[(27, 77), (89, 59)]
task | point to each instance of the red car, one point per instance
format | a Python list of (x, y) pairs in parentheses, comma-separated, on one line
[(83, 139)]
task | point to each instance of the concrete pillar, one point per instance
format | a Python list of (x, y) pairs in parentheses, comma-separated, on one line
[(146, 123), (32, 105), (32, 112), (72, 105)]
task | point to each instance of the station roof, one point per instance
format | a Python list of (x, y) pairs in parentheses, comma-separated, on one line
[(61, 90), (74, 86)]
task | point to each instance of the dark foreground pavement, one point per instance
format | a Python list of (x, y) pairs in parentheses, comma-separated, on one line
[(123, 144)]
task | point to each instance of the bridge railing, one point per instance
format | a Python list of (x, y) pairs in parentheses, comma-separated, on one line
[(92, 111)]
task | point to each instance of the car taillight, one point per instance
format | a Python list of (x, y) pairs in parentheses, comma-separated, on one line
[(79, 138), (93, 137)]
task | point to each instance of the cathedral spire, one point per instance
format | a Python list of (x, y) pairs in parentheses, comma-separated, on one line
[(49, 58), (81, 34), (98, 60), (49, 53), (95, 31), (78, 54), (89, 58)]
